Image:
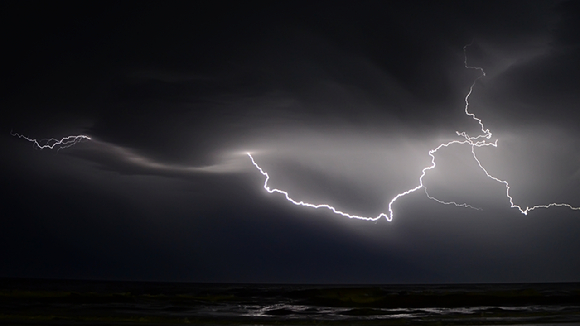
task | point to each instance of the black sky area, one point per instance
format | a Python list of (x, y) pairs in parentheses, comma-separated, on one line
[(340, 102)]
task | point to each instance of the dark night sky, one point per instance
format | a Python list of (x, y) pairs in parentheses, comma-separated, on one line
[(339, 102)]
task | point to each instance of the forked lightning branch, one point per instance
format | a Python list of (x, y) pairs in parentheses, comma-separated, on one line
[(481, 140)]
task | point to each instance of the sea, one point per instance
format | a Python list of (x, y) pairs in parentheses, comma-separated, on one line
[(77, 302)]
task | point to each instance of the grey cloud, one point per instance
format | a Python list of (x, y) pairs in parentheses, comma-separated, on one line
[(110, 157), (339, 103)]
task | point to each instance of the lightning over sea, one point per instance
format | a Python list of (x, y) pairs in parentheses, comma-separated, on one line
[(45, 301), (484, 139)]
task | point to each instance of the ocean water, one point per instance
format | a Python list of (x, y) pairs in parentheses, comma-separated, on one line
[(61, 302)]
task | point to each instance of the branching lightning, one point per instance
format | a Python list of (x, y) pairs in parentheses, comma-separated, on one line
[(53, 143), (480, 140)]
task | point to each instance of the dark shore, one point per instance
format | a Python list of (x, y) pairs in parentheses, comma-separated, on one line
[(55, 302)]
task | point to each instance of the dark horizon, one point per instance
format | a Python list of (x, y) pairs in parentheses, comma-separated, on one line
[(356, 285)]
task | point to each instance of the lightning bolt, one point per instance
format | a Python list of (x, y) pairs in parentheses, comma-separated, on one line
[(481, 140), (52, 143), (301, 203)]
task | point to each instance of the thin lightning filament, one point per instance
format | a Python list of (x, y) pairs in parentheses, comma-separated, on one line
[(53, 143), (481, 140)]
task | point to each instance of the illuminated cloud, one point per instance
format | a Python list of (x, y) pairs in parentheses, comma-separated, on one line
[(339, 104)]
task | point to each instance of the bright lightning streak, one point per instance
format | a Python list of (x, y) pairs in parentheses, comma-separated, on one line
[(487, 134), (301, 203), (53, 143), (477, 141)]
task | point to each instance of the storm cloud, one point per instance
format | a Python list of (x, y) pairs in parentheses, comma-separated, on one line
[(339, 102)]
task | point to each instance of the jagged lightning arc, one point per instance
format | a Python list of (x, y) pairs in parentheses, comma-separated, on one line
[(52, 143), (480, 140), (483, 139)]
